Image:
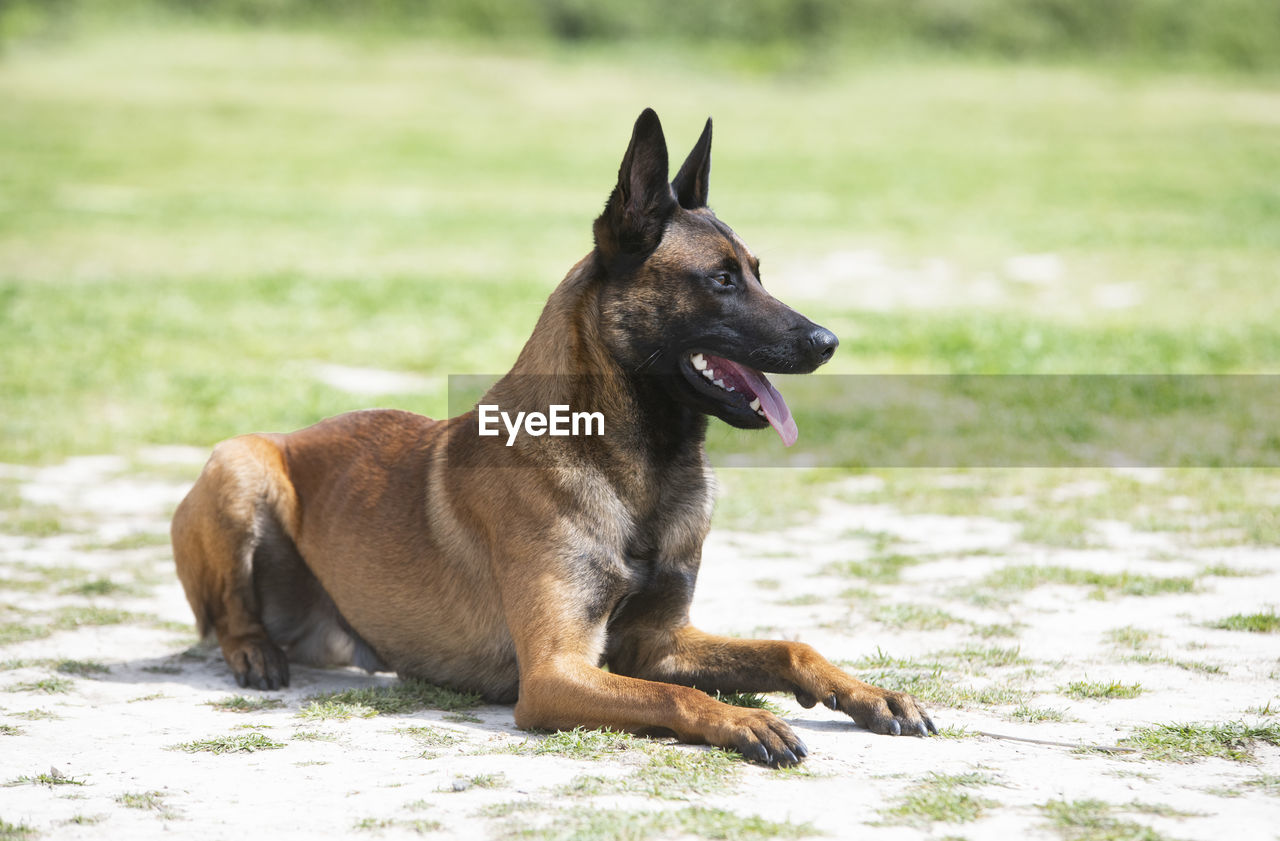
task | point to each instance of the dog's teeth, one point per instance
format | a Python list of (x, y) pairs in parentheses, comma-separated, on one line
[(708, 373), (729, 388), (698, 361), (755, 404), (718, 382)]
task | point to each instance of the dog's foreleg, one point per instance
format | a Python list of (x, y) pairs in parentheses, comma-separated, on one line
[(561, 687), (691, 657)]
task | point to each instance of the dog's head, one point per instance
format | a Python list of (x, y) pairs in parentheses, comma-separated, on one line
[(682, 300)]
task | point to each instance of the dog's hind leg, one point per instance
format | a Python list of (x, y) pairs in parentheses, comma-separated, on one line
[(243, 495)]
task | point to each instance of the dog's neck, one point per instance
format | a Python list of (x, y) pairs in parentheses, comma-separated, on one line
[(566, 362)]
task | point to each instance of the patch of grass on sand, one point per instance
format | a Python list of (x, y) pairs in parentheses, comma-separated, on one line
[(402, 697), (419, 826), (579, 743), (941, 798), (16, 831), (670, 773), (1094, 820), (151, 801), (879, 568), (588, 824), (995, 630), (431, 737), (1131, 637), (99, 587), (49, 779), (70, 618), (82, 668), (1258, 623), (241, 704), (1104, 584), (1083, 689), (934, 686), (1035, 715), (1149, 659), (244, 743), (48, 685), (914, 617), (1187, 742), (11, 632)]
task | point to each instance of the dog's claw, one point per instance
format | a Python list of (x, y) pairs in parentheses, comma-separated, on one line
[(831, 702), (895, 729), (802, 750), (785, 759)]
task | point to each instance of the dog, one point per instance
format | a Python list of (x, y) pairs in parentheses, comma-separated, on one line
[(555, 572)]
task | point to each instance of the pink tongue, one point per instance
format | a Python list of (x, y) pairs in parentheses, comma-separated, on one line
[(771, 402)]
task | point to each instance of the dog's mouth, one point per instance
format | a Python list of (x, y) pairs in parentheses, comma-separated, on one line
[(742, 388)]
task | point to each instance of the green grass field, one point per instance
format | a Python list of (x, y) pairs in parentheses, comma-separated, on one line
[(191, 219)]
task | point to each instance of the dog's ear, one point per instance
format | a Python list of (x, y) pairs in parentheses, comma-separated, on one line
[(639, 207), (691, 181)]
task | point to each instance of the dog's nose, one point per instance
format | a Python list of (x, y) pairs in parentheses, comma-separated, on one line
[(823, 344)]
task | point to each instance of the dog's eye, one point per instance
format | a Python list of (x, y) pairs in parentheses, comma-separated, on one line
[(722, 279)]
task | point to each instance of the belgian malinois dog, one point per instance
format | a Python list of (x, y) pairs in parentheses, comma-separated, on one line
[(388, 540)]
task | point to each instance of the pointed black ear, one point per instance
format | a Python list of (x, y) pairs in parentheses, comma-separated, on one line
[(639, 207), (691, 181)]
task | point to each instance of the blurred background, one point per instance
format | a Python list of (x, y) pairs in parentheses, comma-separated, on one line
[(236, 215)]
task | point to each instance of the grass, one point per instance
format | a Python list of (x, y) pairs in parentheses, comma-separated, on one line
[(1131, 637), (16, 831), (430, 737), (936, 686), (99, 587), (93, 616), (11, 632), (48, 685), (149, 801), (914, 617), (668, 772), (1094, 820), (1104, 584), (422, 827), (1034, 715), (589, 824), (1147, 658), (1232, 740), (241, 704), (878, 569), (82, 668), (579, 743), (244, 743), (941, 798), (752, 700), (1094, 689), (401, 697), (1258, 623), (50, 780), (345, 254)]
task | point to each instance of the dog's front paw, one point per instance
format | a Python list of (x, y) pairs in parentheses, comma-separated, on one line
[(257, 662), (761, 736), (882, 711)]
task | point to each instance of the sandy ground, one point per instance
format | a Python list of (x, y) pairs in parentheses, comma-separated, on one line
[(116, 731)]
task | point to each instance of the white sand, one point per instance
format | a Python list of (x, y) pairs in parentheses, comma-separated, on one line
[(115, 732)]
